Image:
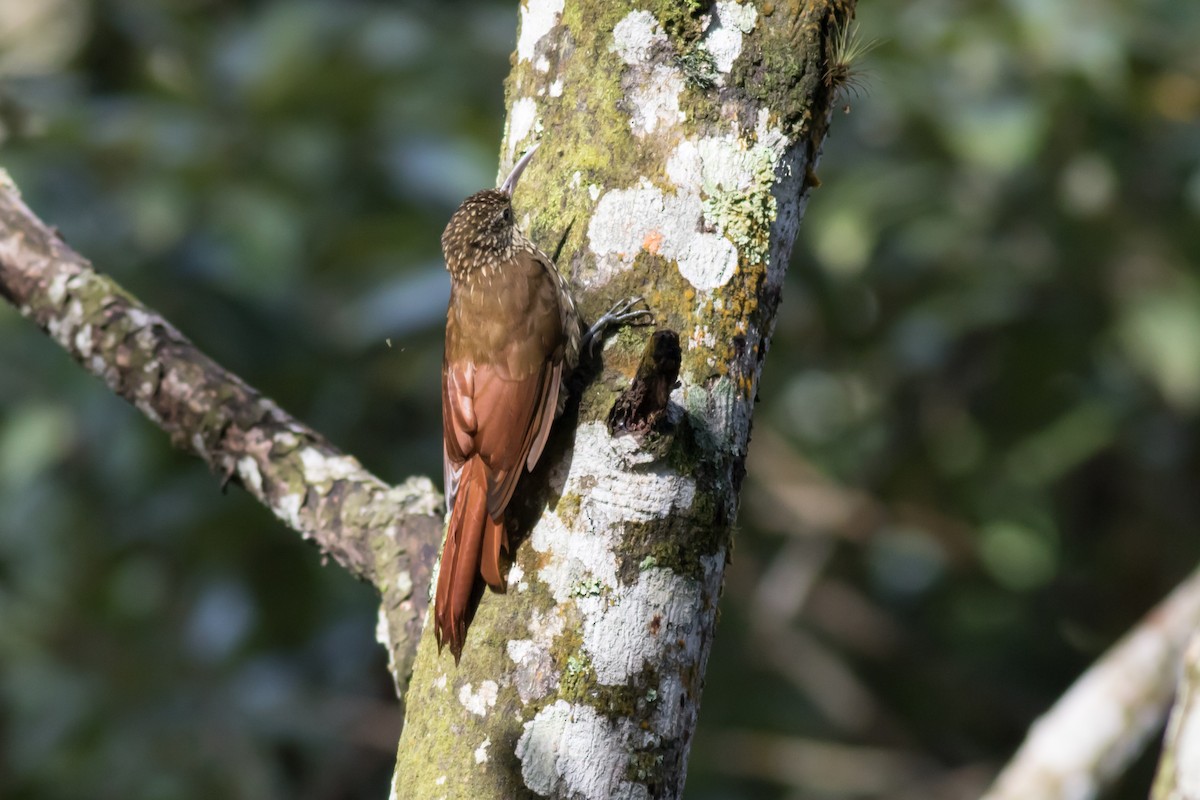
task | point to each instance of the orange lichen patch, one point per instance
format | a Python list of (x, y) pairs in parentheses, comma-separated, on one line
[(653, 242)]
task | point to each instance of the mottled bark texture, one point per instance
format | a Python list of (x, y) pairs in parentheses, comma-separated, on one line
[(678, 141), (384, 534)]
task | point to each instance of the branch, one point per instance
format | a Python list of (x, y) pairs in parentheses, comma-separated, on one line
[(1179, 767), (380, 533), (1102, 723)]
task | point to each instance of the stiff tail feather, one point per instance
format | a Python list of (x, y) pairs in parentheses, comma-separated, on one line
[(472, 550)]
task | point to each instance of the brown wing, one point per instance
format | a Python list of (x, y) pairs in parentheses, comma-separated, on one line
[(501, 375), (458, 423), (511, 419)]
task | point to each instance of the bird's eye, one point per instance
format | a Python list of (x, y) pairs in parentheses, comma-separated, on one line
[(508, 215)]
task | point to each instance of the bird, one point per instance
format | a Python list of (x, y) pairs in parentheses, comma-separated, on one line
[(513, 335)]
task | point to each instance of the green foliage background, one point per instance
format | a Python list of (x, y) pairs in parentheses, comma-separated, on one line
[(974, 466)]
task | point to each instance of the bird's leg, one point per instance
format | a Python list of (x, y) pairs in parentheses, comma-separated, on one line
[(624, 312)]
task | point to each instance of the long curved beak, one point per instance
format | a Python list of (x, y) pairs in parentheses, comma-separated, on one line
[(510, 183)]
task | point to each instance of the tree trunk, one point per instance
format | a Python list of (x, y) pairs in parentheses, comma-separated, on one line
[(678, 143)]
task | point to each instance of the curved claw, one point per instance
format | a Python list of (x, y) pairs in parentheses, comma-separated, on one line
[(623, 312)]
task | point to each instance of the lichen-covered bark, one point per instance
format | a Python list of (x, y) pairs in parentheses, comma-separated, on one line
[(384, 534), (677, 143)]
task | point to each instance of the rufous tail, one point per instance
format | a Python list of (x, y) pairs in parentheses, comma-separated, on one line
[(471, 557)]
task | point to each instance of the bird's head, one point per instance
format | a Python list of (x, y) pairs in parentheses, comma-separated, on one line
[(483, 227)]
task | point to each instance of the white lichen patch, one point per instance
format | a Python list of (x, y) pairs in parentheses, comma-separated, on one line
[(645, 622), (538, 17), (535, 675), (83, 340), (404, 583), (626, 450), (521, 121), (655, 100), (417, 495), (54, 327), (251, 477), (107, 373), (652, 83), (628, 221), (140, 319), (383, 633), (732, 21), (520, 651), (611, 497), (722, 208), (635, 37), (71, 320), (768, 135), (56, 292), (515, 574), (478, 702), (440, 681), (575, 557), (701, 337), (736, 183), (572, 751), (481, 754), (539, 747), (288, 510), (556, 88), (321, 468)]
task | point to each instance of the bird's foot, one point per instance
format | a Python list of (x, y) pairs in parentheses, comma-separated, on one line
[(625, 312)]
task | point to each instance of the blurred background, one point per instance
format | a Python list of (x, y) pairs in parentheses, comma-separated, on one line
[(973, 468)]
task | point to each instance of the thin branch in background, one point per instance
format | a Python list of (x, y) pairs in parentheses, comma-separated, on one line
[(1105, 719), (827, 680), (816, 767), (842, 612), (812, 512), (798, 499), (957, 784), (1179, 765)]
